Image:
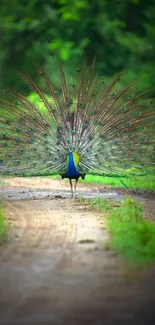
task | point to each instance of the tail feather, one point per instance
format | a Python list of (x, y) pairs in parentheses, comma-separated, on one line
[(112, 131)]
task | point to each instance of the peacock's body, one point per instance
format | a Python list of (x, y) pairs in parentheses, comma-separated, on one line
[(81, 127)]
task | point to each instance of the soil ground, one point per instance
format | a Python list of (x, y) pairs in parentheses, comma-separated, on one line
[(56, 268)]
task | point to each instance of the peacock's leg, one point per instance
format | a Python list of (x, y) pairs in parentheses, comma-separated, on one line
[(75, 187), (71, 185)]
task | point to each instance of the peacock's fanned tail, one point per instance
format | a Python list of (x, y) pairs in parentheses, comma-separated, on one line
[(111, 130)]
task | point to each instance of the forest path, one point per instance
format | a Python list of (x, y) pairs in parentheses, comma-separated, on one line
[(55, 269)]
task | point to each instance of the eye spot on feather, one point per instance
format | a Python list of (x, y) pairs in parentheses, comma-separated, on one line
[(17, 103), (70, 103), (127, 123), (60, 127), (18, 130), (35, 118), (113, 94), (123, 109), (32, 130), (138, 113), (99, 123)]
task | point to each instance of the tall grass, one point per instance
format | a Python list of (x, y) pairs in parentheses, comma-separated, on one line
[(131, 235)]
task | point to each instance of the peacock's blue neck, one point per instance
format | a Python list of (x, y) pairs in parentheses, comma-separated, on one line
[(72, 172)]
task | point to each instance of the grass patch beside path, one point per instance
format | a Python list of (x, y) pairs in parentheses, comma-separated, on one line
[(142, 183), (132, 236), (3, 225)]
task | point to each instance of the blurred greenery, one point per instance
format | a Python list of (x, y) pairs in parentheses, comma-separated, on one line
[(131, 236), (121, 33)]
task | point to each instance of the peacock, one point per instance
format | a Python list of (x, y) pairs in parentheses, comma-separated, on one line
[(76, 126)]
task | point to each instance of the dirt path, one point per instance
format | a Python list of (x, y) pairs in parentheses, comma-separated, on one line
[(56, 269)]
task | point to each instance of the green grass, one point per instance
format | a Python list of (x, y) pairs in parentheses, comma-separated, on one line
[(132, 236), (143, 182), (3, 226)]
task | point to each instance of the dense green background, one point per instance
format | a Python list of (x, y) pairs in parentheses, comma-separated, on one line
[(121, 33)]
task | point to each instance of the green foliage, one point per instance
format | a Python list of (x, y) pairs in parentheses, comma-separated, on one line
[(143, 182), (99, 204), (122, 35), (131, 235), (3, 225)]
